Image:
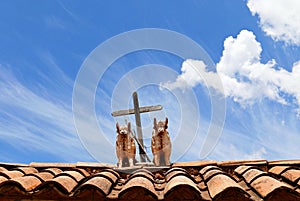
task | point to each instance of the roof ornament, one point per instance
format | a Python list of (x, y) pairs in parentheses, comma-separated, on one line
[(125, 147)]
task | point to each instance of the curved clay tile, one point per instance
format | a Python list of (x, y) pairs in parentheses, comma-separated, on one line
[(242, 169), (223, 187), (48, 191), (181, 187), (43, 176), (269, 187), (102, 184), (11, 174), (54, 171), (207, 168), (26, 170), (175, 172), (142, 174), (252, 174), (73, 174), (2, 179), (108, 175), (175, 169), (138, 188), (142, 170), (64, 184), (278, 169), (82, 171), (211, 173), (111, 171), (292, 175), (26, 183), (2, 169)]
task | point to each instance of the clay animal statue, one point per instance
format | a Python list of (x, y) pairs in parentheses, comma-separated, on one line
[(161, 143), (125, 146)]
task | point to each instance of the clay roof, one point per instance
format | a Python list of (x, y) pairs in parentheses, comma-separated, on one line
[(199, 180)]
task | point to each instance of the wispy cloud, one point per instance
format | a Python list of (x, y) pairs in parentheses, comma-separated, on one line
[(278, 18), (34, 122), (255, 132)]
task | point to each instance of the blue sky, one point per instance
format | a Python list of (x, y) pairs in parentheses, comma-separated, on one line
[(255, 49)]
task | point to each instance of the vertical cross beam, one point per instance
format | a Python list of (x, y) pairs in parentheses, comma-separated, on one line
[(138, 126)]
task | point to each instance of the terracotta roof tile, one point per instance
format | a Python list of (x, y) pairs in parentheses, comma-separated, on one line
[(278, 169), (82, 171), (284, 162), (44, 176), (293, 175), (11, 174), (265, 185), (2, 179), (181, 187), (242, 169), (112, 176), (63, 183), (251, 174), (137, 186), (206, 180), (175, 169), (2, 169), (211, 173), (27, 183), (49, 165), (242, 162), (194, 163), (221, 186), (53, 171), (103, 184), (73, 174), (208, 168), (175, 172), (95, 164), (26, 170), (142, 173)]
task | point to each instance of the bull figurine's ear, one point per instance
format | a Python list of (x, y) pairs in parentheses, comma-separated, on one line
[(129, 126), (118, 127), (154, 123), (166, 123)]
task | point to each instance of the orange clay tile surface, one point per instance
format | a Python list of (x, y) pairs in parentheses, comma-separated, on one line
[(197, 180)]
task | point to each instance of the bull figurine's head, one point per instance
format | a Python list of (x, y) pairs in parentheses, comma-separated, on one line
[(161, 126), (123, 130)]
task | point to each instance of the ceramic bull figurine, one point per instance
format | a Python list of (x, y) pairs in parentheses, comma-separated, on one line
[(125, 146), (161, 143)]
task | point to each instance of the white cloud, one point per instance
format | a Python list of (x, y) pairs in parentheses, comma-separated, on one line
[(278, 18), (194, 72), (245, 78)]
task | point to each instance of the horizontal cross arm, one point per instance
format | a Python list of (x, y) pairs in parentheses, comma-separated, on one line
[(141, 109)]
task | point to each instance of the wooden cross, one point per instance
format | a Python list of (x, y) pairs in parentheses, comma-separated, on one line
[(137, 110)]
